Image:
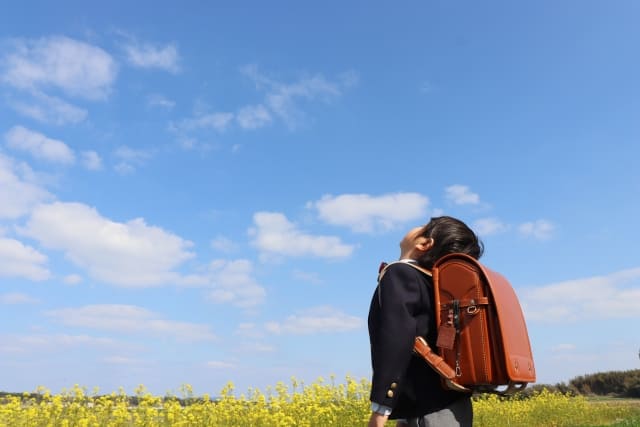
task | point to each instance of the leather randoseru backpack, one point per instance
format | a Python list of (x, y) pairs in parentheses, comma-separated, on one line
[(483, 344)]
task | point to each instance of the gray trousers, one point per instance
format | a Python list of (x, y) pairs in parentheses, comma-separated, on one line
[(458, 414)]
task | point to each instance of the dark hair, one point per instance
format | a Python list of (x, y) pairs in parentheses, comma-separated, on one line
[(449, 235)]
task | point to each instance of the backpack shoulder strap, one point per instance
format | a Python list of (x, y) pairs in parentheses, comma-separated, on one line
[(421, 269), (385, 267), (416, 266)]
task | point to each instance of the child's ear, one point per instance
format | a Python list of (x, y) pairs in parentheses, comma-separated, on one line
[(425, 243)]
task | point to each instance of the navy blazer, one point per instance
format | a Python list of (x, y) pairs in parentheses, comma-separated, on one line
[(401, 309)]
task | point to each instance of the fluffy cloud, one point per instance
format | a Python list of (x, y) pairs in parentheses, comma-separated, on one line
[(129, 159), (37, 344), (130, 319), (217, 121), (364, 213), (147, 55), (16, 298), (72, 279), (489, 226), (19, 193), (48, 109), (461, 195), (316, 320), (253, 116), (131, 254), (75, 67), (602, 297), (540, 229), (91, 160), (39, 146), (223, 244), (273, 234), (283, 99), (20, 260), (233, 283)]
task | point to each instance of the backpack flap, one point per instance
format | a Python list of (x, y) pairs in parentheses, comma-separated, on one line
[(492, 344), (513, 329)]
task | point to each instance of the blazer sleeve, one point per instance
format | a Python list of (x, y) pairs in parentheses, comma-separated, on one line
[(392, 330)]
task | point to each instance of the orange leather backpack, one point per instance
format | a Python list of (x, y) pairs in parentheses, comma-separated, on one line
[(482, 344)]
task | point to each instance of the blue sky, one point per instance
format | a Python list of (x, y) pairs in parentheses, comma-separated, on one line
[(204, 193)]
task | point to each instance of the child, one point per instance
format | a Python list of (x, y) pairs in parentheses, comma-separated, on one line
[(404, 387)]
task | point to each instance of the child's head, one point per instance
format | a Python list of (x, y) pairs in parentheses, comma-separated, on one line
[(449, 235)]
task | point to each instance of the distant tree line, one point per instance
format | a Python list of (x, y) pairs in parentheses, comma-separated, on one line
[(612, 384)]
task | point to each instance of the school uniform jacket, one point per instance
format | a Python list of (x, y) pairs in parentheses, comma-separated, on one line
[(401, 309)]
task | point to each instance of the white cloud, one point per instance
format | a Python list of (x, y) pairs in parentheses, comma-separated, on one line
[(273, 234), (48, 109), (16, 298), (315, 320), (130, 319), (19, 193), (364, 213), (280, 101), (283, 99), (76, 67), (147, 55), (91, 160), (253, 117), (157, 100), (218, 121), (39, 146), (37, 344), (131, 254), (461, 195), (489, 226), (124, 168), (193, 280), (190, 143), (130, 159), (540, 229), (72, 279), (131, 155), (233, 283), (224, 244), (615, 296), (20, 260)]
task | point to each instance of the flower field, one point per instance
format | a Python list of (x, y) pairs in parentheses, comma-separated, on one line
[(297, 404)]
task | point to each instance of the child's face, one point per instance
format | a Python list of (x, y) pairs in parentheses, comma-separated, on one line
[(408, 242)]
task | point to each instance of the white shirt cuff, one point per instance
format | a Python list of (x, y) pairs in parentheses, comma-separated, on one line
[(380, 409)]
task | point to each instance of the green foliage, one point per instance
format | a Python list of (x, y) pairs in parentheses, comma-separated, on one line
[(613, 383), (621, 384)]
